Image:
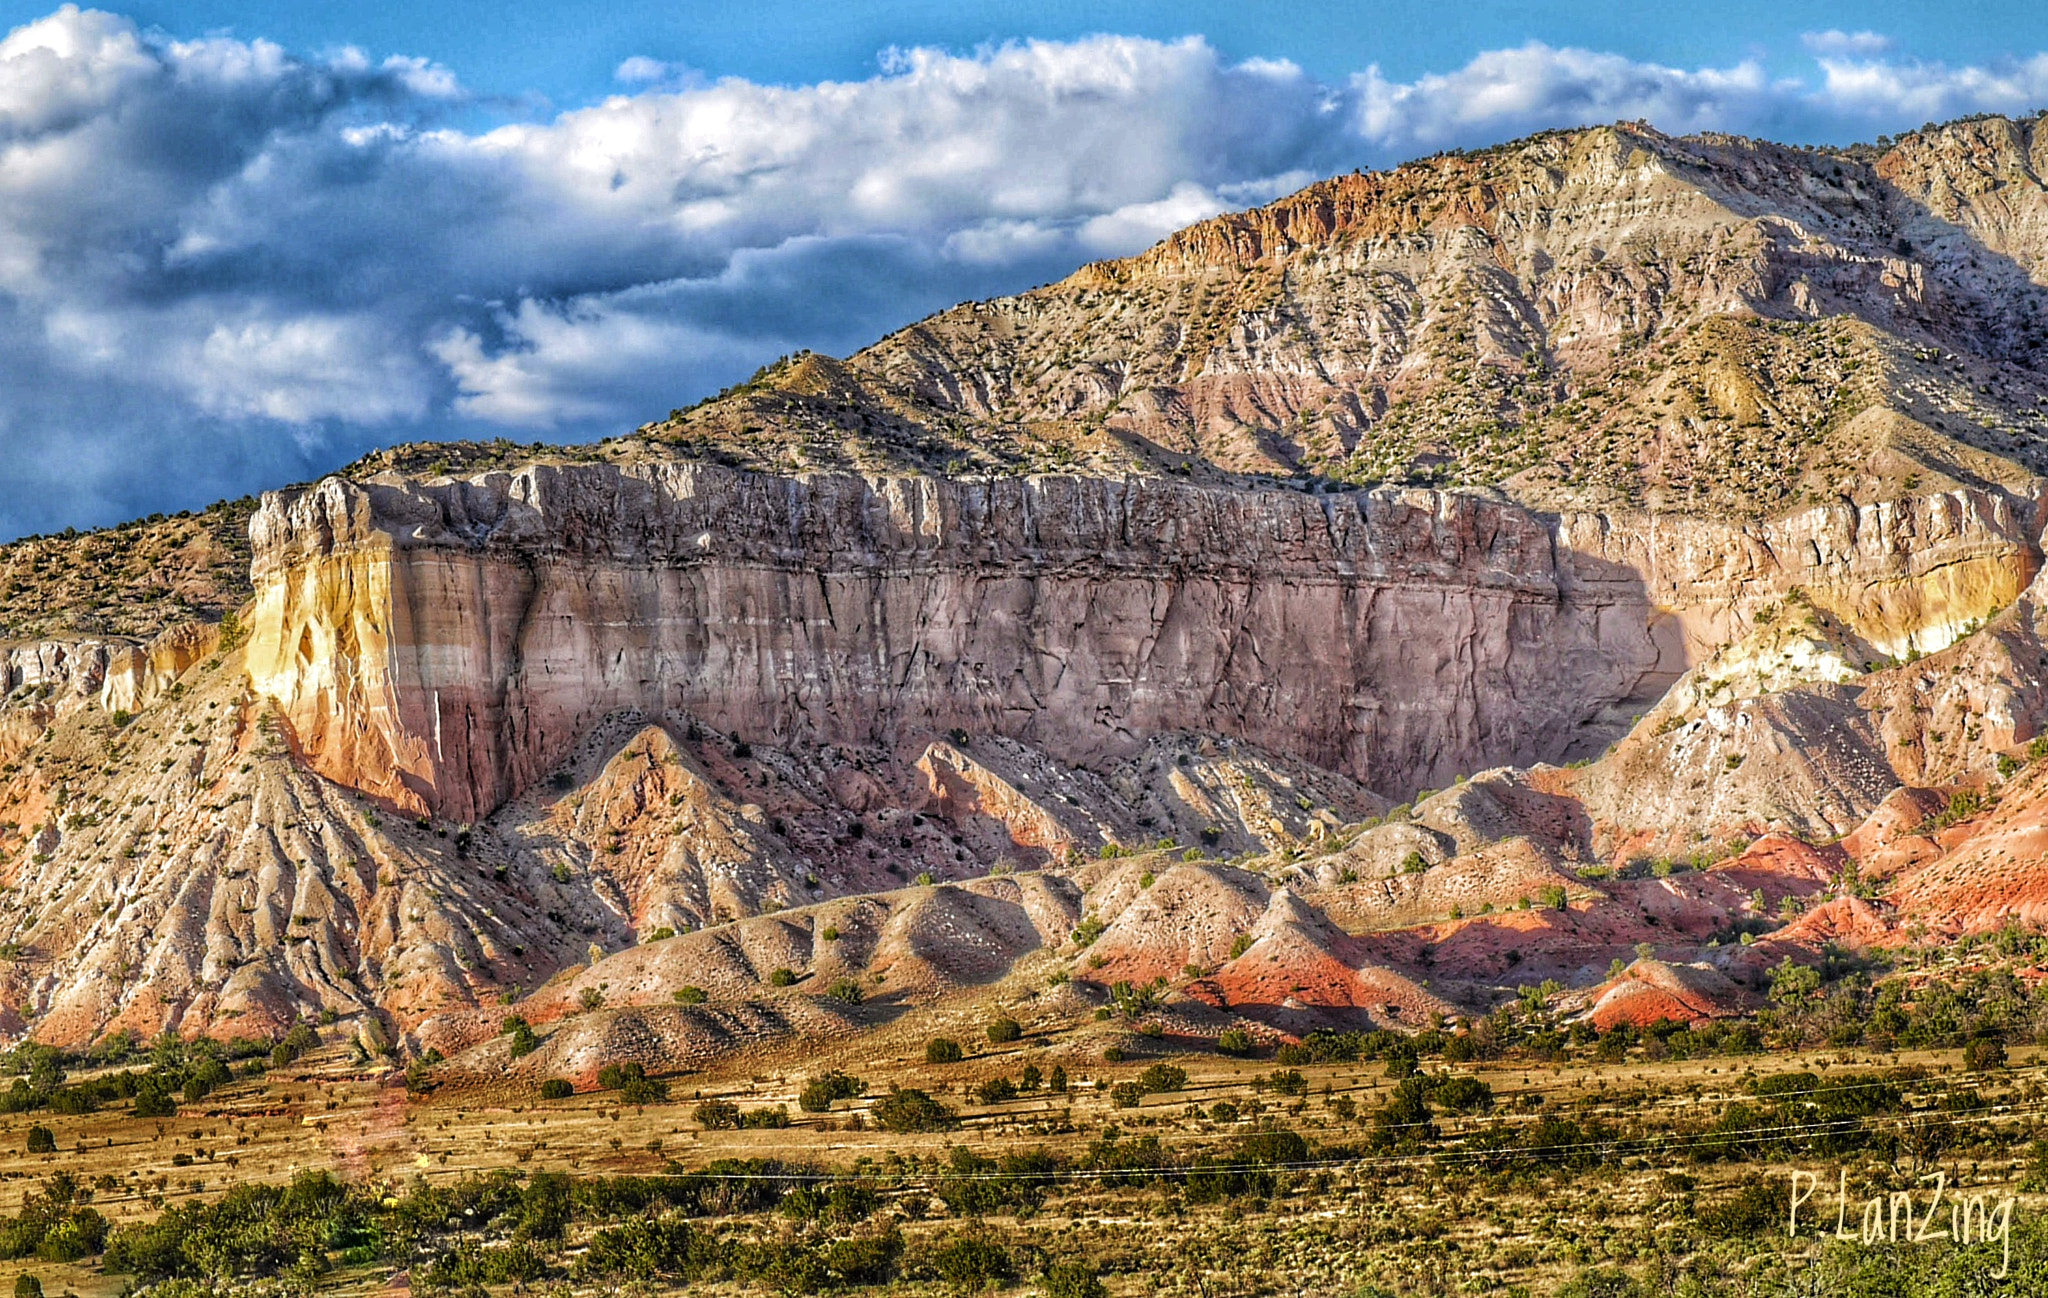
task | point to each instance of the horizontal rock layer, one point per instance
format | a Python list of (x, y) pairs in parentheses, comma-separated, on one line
[(443, 644)]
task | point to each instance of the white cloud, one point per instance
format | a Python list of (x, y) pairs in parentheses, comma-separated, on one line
[(1507, 92), (1840, 44), (639, 70), (221, 243), (1905, 93)]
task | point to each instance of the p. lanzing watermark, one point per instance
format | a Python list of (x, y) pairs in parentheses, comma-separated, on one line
[(1902, 1216)]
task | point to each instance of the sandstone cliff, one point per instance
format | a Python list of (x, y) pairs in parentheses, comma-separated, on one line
[(443, 644)]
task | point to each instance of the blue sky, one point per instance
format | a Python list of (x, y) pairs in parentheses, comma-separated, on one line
[(241, 244), (566, 53)]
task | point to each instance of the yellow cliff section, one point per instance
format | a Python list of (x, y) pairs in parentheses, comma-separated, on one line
[(322, 651), (1928, 611)]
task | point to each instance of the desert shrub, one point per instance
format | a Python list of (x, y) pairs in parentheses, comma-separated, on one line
[(524, 1042), (819, 1092), (1134, 1001), (1126, 1095), (1294, 1054), (1113, 1055), (843, 1201), (690, 996), (782, 978), (1004, 1030), (1272, 1147), (1759, 1206), (1072, 1280), (771, 1118), (556, 1088), (1404, 1118), (631, 1081), (718, 1115), (943, 1050), (1235, 1042), (1463, 1095), (590, 998), (1287, 1082), (913, 1110), (967, 1262), (996, 1090), (846, 991), (612, 1076), (1983, 1054), (1163, 1077), (153, 1099), (41, 1141), (1601, 1282)]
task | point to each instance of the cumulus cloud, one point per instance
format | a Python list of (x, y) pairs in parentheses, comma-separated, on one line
[(1836, 43), (223, 264)]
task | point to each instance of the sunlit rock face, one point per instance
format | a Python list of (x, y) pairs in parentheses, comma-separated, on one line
[(442, 644)]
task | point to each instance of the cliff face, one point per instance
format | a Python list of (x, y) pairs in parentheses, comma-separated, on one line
[(443, 644)]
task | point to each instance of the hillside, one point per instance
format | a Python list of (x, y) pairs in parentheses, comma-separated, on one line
[(1610, 319)]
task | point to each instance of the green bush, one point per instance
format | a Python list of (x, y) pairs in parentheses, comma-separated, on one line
[(718, 1115), (819, 1093), (631, 1081), (153, 1099), (41, 1141), (913, 1110), (1235, 1042), (969, 1262), (846, 991), (1463, 1095), (943, 1050), (1160, 1078), (782, 978), (524, 1042), (555, 1088), (1004, 1030), (690, 996), (996, 1090), (1980, 1055), (1073, 1280)]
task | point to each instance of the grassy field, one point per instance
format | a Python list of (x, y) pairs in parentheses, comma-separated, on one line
[(1242, 1177)]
